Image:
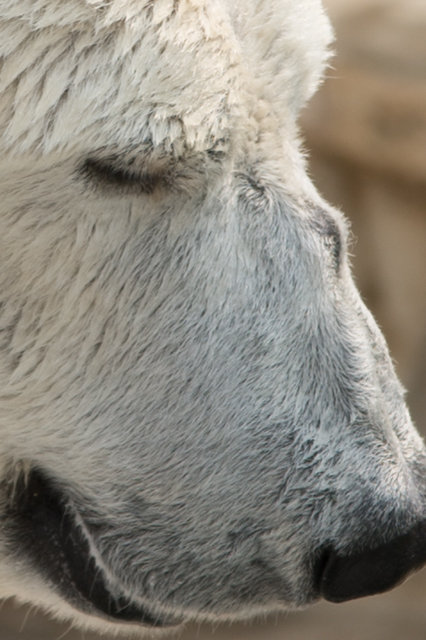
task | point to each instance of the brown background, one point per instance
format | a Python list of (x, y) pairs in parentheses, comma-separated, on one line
[(366, 131)]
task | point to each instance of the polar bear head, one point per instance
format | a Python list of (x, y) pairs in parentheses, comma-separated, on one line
[(198, 415)]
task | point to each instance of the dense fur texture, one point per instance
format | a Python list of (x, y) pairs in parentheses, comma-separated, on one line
[(194, 402)]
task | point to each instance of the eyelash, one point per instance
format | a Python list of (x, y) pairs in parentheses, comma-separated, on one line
[(107, 176)]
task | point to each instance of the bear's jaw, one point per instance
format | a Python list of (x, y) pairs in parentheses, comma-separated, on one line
[(46, 528)]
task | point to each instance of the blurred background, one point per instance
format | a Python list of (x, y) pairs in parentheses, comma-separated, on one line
[(366, 135)]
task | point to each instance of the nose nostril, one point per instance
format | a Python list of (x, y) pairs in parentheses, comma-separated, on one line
[(373, 570)]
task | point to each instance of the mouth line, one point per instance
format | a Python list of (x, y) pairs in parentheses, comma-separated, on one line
[(46, 528)]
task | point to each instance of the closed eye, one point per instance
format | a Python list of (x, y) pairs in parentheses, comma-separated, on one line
[(109, 175)]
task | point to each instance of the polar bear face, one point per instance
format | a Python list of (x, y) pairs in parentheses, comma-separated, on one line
[(198, 415)]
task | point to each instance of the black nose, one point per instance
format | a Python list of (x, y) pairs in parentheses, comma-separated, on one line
[(373, 570)]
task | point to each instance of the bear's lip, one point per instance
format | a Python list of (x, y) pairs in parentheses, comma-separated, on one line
[(49, 531)]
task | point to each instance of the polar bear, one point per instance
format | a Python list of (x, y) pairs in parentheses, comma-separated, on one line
[(199, 417)]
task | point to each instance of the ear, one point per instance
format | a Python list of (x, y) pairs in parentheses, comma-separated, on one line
[(286, 45)]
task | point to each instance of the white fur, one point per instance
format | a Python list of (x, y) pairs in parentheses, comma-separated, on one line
[(180, 352)]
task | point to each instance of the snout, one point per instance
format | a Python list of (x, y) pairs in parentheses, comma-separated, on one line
[(372, 570)]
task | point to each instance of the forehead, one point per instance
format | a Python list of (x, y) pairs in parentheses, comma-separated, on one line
[(90, 72)]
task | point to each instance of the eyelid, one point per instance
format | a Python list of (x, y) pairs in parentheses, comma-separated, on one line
[(110, 175)]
